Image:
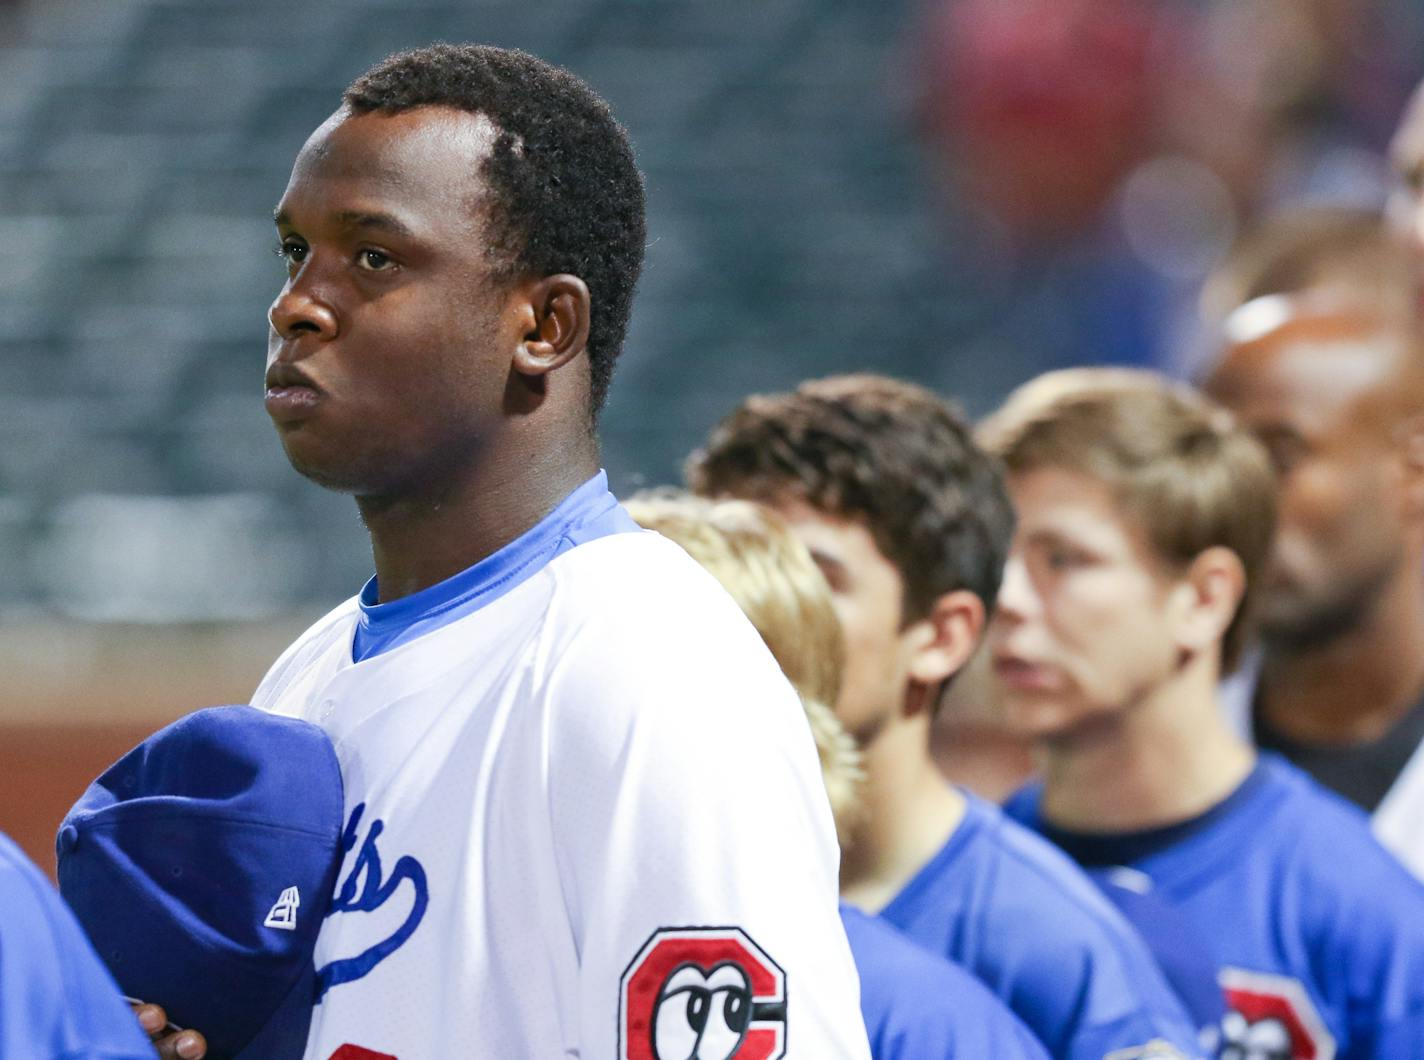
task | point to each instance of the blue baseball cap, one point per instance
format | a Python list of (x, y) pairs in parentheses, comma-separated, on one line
[(201, 865)]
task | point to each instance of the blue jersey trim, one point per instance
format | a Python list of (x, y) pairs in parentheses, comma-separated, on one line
[(588, 513)]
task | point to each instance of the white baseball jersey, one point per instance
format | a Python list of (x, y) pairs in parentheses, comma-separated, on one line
[(585, 819), (1398, 821)]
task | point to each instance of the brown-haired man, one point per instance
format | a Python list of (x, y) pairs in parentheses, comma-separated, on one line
[(909, 521), (1145, 514)]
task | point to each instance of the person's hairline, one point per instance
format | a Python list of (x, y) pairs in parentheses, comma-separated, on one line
[(797, 493)]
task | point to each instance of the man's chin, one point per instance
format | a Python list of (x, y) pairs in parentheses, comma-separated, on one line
[(1296, 623), (1034, 718), (325, 472)]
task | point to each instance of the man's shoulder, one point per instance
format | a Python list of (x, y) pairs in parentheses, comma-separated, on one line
[(1045, 916), (1326, 845), (634, 589), (1029, 872), (638, 636), (324, 635), (1031, 924), (1320, 832), (56, 990), (911, 996), (630, 570), (23, 891)]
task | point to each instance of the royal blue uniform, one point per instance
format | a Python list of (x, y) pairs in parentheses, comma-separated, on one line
[(1005, 904), (919, 1006), (57, 1001), (1317, 931), (1174, 938)]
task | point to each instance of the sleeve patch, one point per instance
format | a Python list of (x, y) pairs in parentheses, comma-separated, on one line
[(702, 993)]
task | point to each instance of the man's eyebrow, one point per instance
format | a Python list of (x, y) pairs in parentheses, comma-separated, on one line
[(1277, 431), (382, 221), (1039, 536), (358, 219)]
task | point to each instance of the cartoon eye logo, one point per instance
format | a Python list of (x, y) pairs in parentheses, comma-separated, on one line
[(1266, 1039), (702, 1016)]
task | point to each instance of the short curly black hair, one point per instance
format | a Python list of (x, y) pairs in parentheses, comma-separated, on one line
[(564, 193), (890, 454)]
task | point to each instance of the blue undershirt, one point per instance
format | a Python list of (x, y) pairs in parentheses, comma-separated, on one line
[(586, 514)]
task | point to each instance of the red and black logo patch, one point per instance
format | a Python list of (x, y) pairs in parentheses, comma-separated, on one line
[(702, 993), (1271, 1017)]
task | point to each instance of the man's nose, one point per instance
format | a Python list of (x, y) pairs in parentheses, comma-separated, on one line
[(1016, 591), (300, 308)]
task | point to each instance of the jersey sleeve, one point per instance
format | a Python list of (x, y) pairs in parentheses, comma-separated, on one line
[(697, 855), (56, 1000)]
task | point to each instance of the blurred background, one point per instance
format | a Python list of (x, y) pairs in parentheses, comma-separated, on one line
[(959, 192)]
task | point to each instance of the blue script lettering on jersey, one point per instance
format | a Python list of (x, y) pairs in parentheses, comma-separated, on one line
[(374, 893)]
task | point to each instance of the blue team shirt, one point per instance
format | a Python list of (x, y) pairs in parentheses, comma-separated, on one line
[(1022, 917), (57, 1002), (1316, 931), (1174, 939), (588, 513), (918, 1006)]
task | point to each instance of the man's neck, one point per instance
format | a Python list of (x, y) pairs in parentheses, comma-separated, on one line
[(910, 812), (430, 535), (1354, 688), (1168, 758)]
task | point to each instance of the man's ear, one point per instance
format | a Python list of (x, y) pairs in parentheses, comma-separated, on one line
[(554, 313), (945, 639), (1206, 599)]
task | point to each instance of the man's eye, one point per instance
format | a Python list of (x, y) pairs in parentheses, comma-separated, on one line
[(290, 252), (374, 261), (1285, 453), (1059, 559)]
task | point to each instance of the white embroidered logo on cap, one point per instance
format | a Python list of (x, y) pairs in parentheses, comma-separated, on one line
[(284, 913)]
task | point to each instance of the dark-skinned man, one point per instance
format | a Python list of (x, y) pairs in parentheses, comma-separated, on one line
[(559, 839), (1336, 393)]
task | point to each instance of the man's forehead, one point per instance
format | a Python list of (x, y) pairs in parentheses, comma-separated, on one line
[(430, 145), (1310, 382), (806, 518), (1058, 503), (1060, 487)]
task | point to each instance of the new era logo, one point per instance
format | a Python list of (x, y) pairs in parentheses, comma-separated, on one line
[(284, 913)]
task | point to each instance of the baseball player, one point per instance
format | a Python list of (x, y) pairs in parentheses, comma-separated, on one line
[(916, 1005), (561, 839), (1145, 514), (910, 523)]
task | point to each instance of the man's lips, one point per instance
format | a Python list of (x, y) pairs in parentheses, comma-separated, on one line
[(287, 403), (291, 393), (283, 375), (1023, 675)]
